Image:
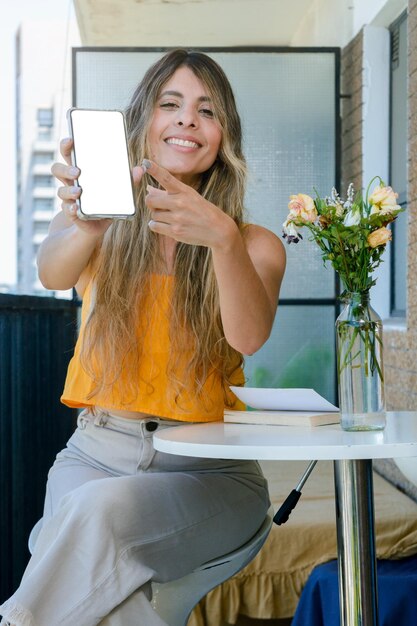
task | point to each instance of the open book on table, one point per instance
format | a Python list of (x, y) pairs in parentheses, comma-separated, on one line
[(285, 407)]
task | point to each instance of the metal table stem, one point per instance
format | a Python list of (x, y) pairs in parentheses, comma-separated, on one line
[(356, 542)]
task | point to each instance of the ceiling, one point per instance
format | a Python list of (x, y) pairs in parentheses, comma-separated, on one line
[(189, 22)]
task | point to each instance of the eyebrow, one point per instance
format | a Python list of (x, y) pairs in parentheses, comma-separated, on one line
[(178, 94)]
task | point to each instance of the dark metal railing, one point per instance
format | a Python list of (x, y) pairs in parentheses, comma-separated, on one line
[(37, 337)]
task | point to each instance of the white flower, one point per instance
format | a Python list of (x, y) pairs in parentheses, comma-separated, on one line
[(350, 195), (353, 216), (334, 196), (290, 231)]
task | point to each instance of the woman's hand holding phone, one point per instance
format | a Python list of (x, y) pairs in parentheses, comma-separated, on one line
[(65, 254), (67, 174)]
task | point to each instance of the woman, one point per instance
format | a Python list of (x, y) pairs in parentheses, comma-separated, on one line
[(171, 302)]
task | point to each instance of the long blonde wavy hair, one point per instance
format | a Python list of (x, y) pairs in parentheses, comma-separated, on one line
[(130, 251)]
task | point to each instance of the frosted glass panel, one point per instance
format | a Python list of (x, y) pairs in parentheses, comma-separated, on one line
[(299, 353), (106, 80), (287, 102), (287, 105)]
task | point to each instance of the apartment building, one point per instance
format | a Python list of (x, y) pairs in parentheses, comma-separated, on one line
[(43, 95)]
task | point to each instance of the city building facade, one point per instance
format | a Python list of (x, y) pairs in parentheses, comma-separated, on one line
[(43, 94)]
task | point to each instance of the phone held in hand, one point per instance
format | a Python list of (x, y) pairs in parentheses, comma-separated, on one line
[(101, 153)]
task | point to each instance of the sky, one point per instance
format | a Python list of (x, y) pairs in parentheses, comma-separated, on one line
[(12, 14)]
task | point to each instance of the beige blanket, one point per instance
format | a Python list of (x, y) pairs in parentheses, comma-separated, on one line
[(271, 585)]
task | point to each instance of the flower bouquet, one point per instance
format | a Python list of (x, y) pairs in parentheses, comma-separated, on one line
[(352, 234)]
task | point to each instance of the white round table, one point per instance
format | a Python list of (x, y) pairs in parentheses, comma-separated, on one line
[(352, 453)]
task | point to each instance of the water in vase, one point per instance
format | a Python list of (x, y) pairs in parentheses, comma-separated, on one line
[(360, 366)]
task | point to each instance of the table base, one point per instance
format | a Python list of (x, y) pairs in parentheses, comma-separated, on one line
[(356, 542)]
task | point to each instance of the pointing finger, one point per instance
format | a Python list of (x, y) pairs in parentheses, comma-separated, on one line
[(137, 174), (167, 180)]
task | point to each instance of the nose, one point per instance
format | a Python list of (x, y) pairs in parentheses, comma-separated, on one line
[(187, 117)]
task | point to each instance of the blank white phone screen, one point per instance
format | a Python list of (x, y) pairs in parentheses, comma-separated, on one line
[(100, 152)]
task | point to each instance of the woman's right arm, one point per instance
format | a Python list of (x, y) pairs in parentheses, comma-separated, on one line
[(64, 255)]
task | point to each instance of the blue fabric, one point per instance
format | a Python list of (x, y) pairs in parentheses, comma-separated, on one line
[(397, 595)]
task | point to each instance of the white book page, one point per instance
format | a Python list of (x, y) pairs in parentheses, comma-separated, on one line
[(284, 399)]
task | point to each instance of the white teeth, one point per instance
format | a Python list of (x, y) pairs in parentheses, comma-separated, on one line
[(182, 142)]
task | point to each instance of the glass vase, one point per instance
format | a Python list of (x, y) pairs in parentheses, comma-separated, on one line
[(360, 364)]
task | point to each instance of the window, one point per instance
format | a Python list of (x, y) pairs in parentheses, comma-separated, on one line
[(40, 228), (45, 133), (43, 204), (43, 158), (45, 117), (40, 180), (398, 163), (291, 143)]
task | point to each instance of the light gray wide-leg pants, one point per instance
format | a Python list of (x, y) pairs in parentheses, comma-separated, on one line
[(119, 514)]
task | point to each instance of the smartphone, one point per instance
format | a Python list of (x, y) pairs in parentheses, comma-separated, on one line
[(100, 152)]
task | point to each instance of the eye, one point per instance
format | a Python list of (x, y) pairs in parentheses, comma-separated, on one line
[(168, 105), (207, 112)]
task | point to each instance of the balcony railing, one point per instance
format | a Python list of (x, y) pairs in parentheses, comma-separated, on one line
[(36, 342)]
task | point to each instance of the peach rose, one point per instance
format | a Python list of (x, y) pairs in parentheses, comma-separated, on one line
[(384, 200), (302, 208), (379, 237)]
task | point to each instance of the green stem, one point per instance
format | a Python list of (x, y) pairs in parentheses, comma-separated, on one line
[(342, 250), (348, 349), (367, 190)]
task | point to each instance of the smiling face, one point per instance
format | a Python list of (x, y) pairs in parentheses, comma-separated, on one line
[(184, 136)]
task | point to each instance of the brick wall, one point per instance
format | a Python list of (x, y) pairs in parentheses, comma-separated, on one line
[(401, 347), (351, 114)]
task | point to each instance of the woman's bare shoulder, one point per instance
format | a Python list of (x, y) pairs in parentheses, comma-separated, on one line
[(267, 254), (259, 238)]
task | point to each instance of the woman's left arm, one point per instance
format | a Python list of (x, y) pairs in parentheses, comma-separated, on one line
[(249, 269), (249, 266)]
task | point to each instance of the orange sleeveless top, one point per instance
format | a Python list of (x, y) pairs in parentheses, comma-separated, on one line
[(154, 393)]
